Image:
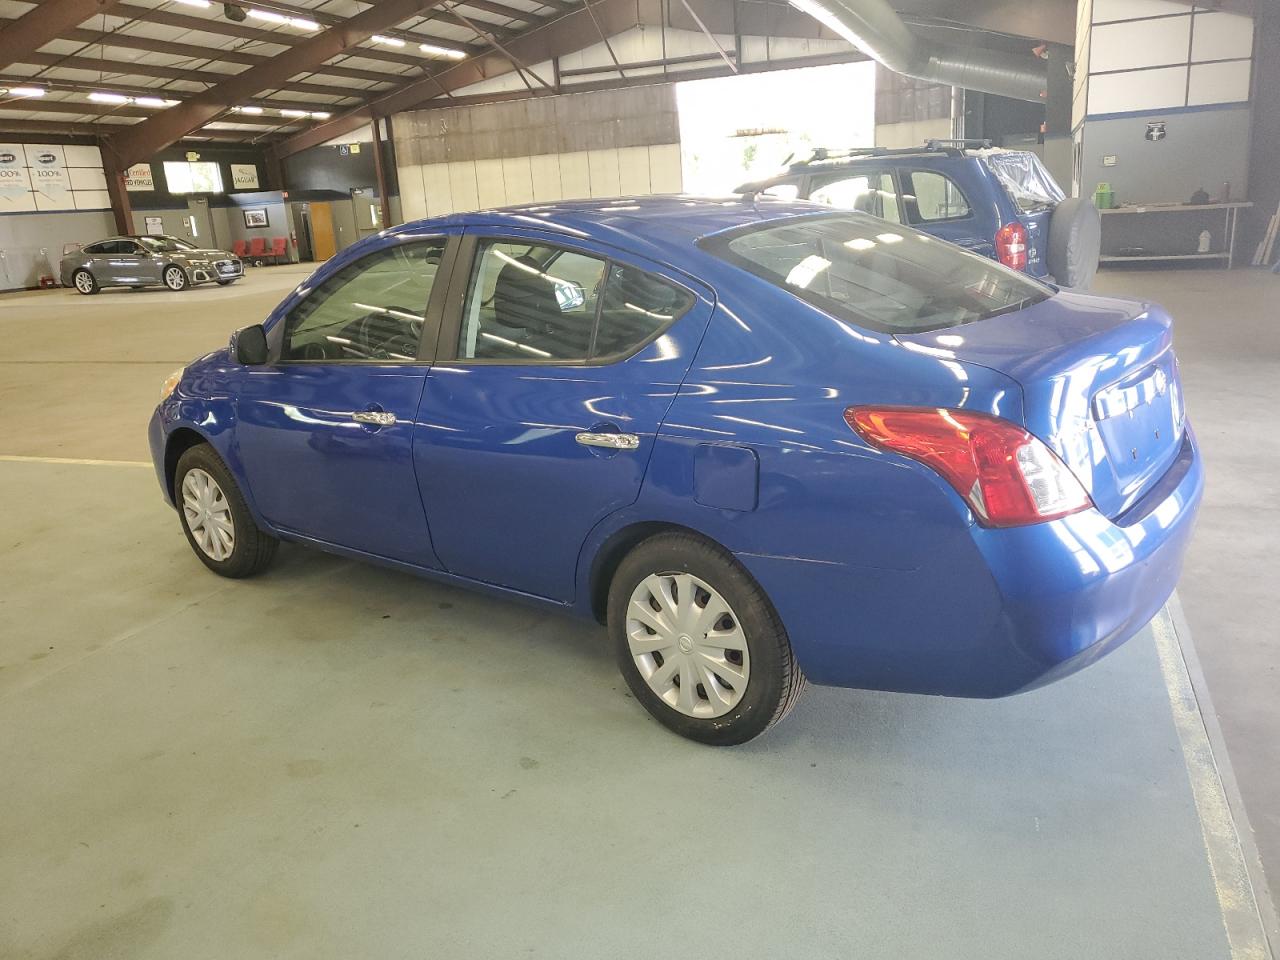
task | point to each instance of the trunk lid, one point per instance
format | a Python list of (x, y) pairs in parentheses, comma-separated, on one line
[(1100, 386)]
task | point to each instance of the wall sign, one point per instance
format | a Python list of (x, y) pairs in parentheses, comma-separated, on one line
[(139, 177), (47, 169), (1155, 130), (155, 226), (244, 176), (15, 184)]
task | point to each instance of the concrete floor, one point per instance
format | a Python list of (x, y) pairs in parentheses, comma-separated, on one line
[(335, 760)]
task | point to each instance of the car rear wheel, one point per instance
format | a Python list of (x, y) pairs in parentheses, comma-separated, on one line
[(699, 643), (175, 278), (85, 282), (215, 518)]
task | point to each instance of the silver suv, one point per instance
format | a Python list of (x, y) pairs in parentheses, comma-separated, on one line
[(147, 261)]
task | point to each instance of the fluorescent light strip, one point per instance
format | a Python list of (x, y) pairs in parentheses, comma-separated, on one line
[(203, 4), (270, 16), (154, 102), (314, 114), (24, 92), (99, 96), (437, 51), (389, 41), (253, 110), (293, 113)]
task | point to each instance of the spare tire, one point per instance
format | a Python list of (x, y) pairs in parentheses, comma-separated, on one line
[(1075, 241)]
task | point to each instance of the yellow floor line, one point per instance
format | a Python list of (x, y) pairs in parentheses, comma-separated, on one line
[(1231, 881), (13, 458)]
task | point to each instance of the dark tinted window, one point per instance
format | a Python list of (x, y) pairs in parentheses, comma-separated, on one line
[(637, 306), (371, 310), (530, 302), (876, 274), (100, 247)]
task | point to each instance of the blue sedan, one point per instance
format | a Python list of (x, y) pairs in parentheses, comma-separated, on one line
[(763, 442)]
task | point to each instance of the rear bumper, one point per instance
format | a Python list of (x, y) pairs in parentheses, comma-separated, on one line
[(998, 611)]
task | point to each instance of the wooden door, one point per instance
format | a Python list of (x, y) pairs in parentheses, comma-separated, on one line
[(323, 243)]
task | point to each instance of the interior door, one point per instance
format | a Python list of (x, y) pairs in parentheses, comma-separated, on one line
[(325, 430), (540, 413), (200, 223), (323, 242)]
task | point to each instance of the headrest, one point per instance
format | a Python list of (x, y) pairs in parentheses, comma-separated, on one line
[(523, 298)]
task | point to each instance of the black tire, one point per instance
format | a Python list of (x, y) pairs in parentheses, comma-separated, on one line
[(774, 683), (88, 286), (1075, 242), (253, 548), (171, 276)]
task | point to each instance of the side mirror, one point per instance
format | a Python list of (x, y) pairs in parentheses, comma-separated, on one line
[(251, 346)]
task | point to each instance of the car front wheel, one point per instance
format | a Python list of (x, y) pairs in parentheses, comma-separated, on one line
[(175, 278), (699, 643), (215, 518), (85, 282)]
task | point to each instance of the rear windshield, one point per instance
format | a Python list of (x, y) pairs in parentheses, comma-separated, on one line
[(1028, 180), (876, 274)]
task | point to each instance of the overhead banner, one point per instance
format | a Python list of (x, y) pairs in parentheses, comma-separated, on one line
[(47, 169), (244, 176), (15, 184), (139, 177)]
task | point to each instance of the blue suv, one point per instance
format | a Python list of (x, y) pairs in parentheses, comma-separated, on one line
[(1002, 204)]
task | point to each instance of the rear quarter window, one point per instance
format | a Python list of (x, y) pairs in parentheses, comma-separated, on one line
[(874, 274)]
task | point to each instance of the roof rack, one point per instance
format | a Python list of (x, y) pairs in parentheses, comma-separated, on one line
[(954, 148)]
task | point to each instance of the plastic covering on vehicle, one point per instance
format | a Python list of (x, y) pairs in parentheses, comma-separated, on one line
[(1028, 181)]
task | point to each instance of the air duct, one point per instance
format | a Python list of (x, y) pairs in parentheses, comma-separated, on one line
[(876, 29)]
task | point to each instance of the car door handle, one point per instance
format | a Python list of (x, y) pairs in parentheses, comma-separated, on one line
[(374, 418), (610, 441)]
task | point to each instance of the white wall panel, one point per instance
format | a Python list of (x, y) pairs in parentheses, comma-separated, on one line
[(1222, 36), (83, 156), (1219, 82), (1145, 43), (462, 185), (633, 171), (545, 170), (87, 178), (603, 167), (1138, 90), (413, 199), (575, 176), (1105, 10), (436, 187), (92, 200), (665, 174), (491, 189), (517, 175)]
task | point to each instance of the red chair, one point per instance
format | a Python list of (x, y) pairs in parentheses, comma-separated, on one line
[(239, 247), (257, 249), (279, 251)]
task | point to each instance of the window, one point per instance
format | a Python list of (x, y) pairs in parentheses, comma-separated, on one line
[(100, 247), (875, 275), (934, 196), (371, 310), (164, 244), (183, 177), (871, 193), (637, 306), (530, 302)]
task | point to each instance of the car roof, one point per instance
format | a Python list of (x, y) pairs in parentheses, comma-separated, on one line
[(662, 224)]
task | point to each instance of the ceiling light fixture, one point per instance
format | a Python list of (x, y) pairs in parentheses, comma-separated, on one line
[(203, 4), (100, 97), (23, 92), (253, 110), (437, 51), (293, 113), (320, 115), (270, 16), (154, 102), (389, 41)]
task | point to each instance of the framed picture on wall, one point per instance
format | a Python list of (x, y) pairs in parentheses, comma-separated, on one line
[(256, 217)]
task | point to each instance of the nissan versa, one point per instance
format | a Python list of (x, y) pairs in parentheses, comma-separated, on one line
[(760, 440)]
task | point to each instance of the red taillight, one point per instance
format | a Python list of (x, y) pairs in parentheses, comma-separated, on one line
[(1011, 245), (1007, 476)]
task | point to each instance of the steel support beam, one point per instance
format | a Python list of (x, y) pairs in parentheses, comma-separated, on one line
[(564, 35), (380, 174), (44, 22), (140, 142), (121, 209)]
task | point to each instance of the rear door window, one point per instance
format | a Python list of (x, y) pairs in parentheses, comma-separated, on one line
[(637, 307), (872, 193), (876, 275), (932, 197)]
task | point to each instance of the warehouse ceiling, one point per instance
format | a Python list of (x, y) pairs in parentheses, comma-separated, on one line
[(146, 73)]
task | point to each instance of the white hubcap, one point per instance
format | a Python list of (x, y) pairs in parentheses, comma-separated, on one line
[(208, 514), (175, 278), (688, 644), (84, 282)]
